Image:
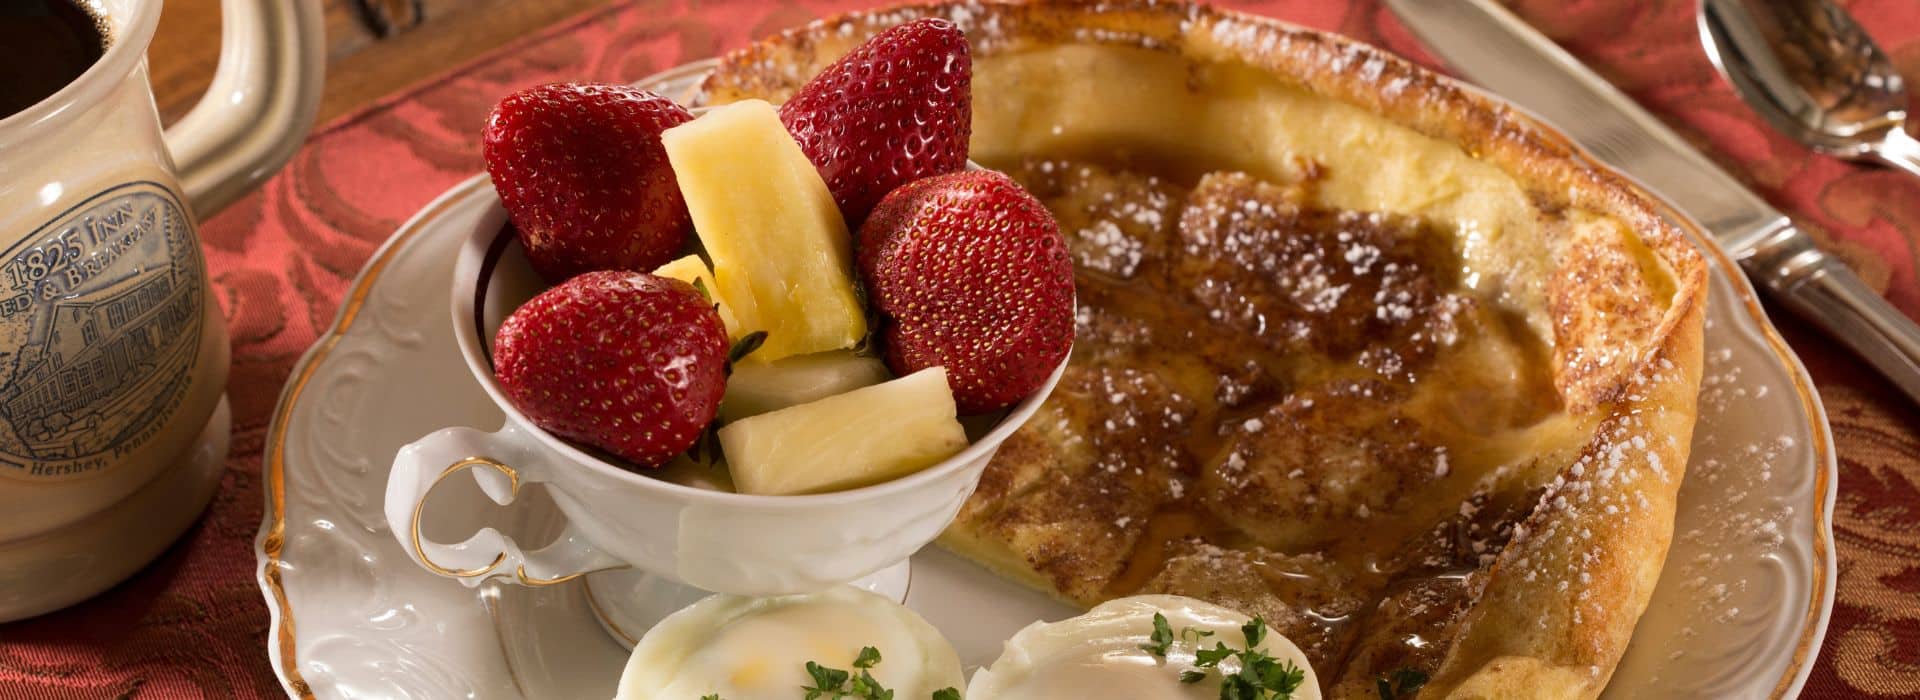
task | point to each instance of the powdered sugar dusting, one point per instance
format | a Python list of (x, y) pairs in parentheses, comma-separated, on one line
[(1612, 480)]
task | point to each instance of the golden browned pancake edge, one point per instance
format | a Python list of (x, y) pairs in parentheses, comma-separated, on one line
[(1549, 614)]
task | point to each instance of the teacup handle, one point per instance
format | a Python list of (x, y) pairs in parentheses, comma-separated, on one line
[(256, 113), (500, 462)]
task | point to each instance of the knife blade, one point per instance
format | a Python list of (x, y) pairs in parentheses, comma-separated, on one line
[(1497, 50)]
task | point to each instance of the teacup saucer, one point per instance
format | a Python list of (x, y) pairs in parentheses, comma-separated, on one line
[(1739, 612), (627, 602)]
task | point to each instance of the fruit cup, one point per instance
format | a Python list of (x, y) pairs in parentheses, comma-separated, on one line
[(618, 519)]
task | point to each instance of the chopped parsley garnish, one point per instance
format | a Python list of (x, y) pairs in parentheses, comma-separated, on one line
[(835, 684), (1261, 677), (1208, 658), (1402, 683), (1162, 637), (1255, 631)]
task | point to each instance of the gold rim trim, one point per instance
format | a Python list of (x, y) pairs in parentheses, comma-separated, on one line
[(1825, 466), (513, 478), (593, 603), (607, 623), (273, 544), (492, 603), (519, 570), (1822, 457), (520, 573)]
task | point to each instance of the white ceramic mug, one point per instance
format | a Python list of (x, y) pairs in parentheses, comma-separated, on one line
[(714, 540), (113, 354)]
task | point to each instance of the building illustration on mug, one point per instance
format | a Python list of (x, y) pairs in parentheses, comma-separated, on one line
[(99, 327)]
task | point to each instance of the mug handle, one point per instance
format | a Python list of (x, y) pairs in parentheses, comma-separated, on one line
[(500, 462), (260, 106)]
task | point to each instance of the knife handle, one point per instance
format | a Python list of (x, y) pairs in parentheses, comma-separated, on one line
[(1824, 290)]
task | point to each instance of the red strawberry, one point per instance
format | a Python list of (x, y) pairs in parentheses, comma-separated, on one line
[(585, 179), (628, 362), (969, 272), (895, 110)]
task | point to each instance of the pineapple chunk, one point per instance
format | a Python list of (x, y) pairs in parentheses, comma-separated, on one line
[(861, 437), (781, 253), (757, 388), (692, 270)]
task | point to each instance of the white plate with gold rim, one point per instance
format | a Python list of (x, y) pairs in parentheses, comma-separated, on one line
[(1739, 612)]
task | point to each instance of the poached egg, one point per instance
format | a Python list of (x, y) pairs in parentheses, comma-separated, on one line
[(757, 648), (1099, 655)]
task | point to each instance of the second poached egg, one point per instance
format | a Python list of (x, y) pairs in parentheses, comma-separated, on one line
[(1100, 655)]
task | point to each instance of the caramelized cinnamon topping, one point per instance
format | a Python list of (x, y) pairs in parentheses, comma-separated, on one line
[(1358, 350), (1288, 409), (1303, 279)]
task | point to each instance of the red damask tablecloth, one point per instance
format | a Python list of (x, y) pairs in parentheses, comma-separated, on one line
[(194, 624)]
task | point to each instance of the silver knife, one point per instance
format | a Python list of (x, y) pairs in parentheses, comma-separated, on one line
[(1499, 51)]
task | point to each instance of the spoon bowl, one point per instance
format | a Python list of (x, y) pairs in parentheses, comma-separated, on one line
[(1814, 73)]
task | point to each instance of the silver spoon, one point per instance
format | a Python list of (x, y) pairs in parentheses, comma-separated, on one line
[(1809, 68)]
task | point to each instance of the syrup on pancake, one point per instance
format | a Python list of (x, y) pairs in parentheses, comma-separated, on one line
[(1295, 411)]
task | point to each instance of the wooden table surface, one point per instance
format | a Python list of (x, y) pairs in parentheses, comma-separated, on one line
[(374, 47)]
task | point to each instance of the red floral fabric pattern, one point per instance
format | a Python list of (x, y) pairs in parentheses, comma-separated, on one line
[(194, 623)]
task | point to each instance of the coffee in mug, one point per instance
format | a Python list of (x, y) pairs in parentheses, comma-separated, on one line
[(49, 44), (113, 354)]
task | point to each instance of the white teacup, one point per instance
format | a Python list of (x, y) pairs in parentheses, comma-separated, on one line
[(714, 540)]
